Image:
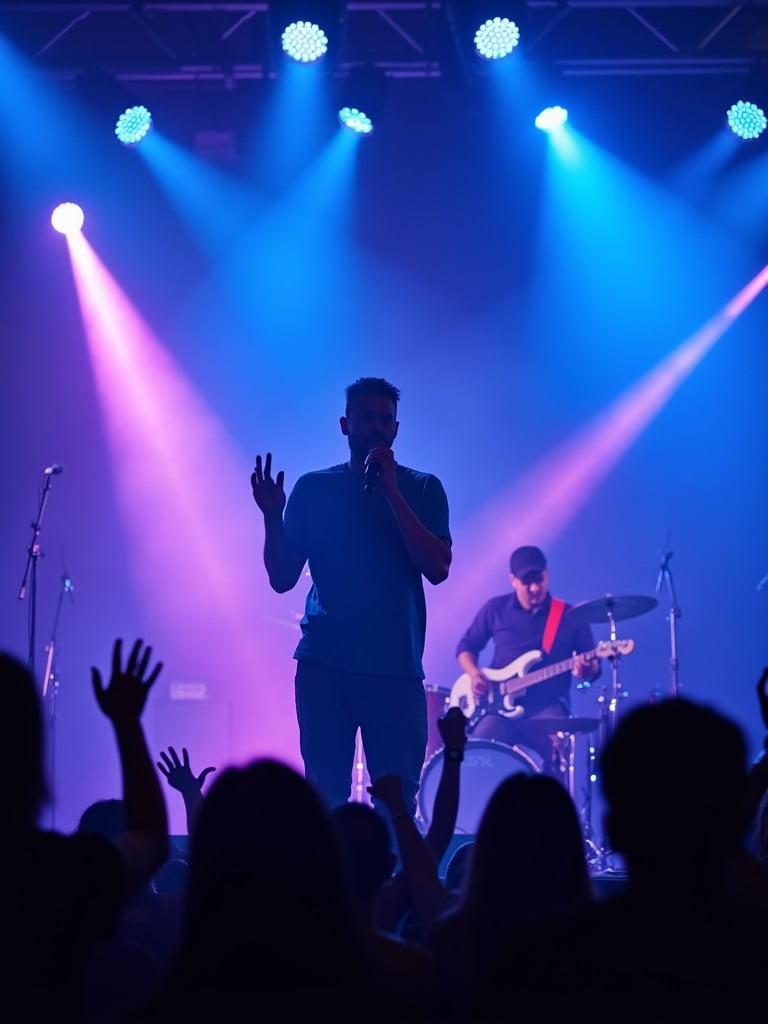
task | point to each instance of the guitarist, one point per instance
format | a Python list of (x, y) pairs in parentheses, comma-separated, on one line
[(527, 619)]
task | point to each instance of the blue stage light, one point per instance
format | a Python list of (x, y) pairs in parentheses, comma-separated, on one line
[(551, 118), (496, 38), (304, 42), (355, 120), (746, 120), (132, 125), (67, 218)]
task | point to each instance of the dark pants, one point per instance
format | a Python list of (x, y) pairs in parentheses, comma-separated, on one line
[(390, 711)]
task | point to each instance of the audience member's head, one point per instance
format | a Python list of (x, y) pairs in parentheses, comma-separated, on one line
[(458, 866), (674, 777), (366, 848), (22, 740), (528, 856), (171, 877), (103, 817), (265, 878)]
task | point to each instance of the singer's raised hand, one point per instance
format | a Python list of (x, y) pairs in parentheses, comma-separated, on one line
[(268, 493)]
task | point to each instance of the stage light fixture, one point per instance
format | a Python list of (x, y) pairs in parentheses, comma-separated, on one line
[(496, 38), (355, 120), (551, 118), (486, 32), (746, 120), (361, 100), (67, 218), (304, 42), (306, 32), (132, 125)]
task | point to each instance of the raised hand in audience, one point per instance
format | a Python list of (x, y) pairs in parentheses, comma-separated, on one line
[(144, 845), (759, 776), (180, 776), (453, 730), (64, 893), (762, 695)]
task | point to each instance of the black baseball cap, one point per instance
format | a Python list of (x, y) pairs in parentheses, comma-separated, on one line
[(526, 559)]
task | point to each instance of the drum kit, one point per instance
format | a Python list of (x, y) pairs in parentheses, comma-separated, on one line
[(487, 762)]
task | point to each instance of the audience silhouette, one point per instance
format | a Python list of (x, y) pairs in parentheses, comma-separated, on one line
[(674, 944), (368, 860), (64, 894), (268, 929), (395, 910), (288, 911)]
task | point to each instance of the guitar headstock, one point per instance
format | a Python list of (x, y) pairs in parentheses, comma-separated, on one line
[(612, 648)]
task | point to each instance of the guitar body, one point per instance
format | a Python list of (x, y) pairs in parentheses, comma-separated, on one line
[(462, 696), (506, 683)]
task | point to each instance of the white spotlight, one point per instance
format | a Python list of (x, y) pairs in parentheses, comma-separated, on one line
[(551, 118), (67, 218)]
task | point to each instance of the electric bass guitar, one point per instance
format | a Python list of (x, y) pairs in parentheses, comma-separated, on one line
[(517, 677)]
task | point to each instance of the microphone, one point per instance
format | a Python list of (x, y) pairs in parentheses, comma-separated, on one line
[(371, 477), (663, 570), (53, 470)]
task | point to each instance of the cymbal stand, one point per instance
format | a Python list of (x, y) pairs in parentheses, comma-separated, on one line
[(665, 573), (592, 848), (608, 702), (564, 759)]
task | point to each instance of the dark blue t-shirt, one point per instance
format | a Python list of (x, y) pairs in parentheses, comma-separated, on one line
[(365, 611)]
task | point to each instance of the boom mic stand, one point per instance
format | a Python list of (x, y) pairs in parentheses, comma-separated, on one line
[(30, 571), (51, 687), (665, 573)]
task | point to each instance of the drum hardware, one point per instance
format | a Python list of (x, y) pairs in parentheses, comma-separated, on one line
[(609, 609), (592, 847), (438, 699), (674, 614)]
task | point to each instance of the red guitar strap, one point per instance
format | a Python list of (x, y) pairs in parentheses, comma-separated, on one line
[(556, 609)]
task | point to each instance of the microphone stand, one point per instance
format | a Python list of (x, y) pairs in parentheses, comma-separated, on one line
[(665, 573), (30, 572), (51, 688)]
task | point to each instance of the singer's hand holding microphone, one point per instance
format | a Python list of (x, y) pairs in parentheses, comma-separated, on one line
[(379, 469)]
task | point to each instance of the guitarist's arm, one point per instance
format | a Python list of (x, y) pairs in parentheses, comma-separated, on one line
[(468, 663), (586, 668)]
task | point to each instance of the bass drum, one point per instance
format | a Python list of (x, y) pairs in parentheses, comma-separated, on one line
[(486, 764)]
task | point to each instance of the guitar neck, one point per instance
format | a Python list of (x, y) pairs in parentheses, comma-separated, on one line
[(518, 683)]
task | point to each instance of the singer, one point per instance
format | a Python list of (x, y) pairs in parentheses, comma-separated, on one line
[(370, 531)]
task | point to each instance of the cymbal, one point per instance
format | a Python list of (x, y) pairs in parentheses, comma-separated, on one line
[(609, 606)]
